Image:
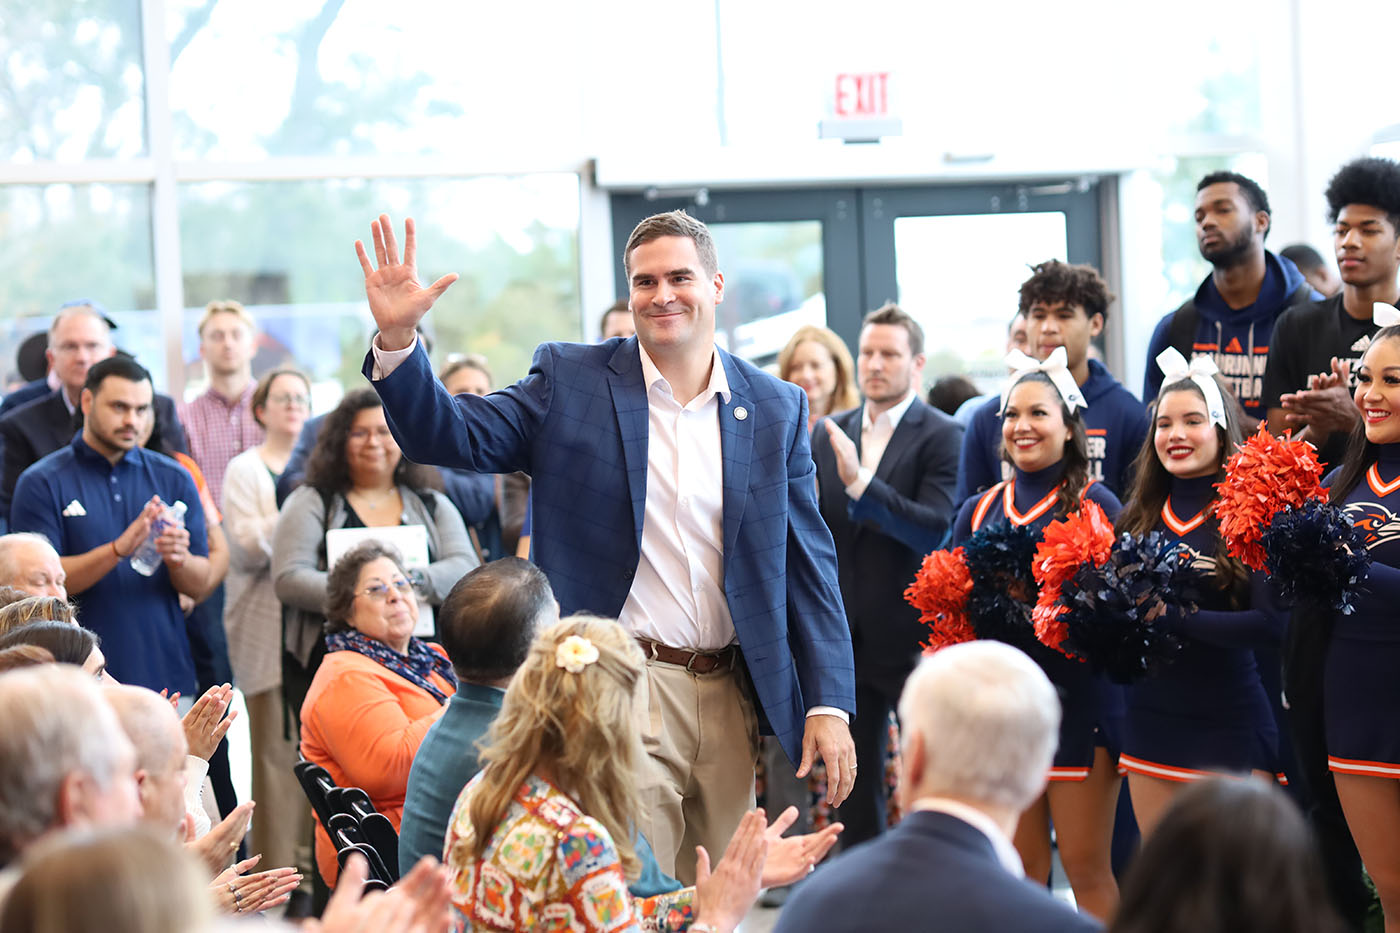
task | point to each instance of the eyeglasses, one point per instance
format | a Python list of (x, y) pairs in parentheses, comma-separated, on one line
[(69, 348), (360, 435), (380, 591), (284, 398)]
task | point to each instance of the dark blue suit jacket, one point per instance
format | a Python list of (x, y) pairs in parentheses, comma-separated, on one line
[(577, 423), (881, 538), (931, 872)]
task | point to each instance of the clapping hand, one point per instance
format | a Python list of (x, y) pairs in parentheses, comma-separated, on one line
[(237, 893), (792, 858), (1323, 408), (205, 724), (421, 902), (396, 298), (216, 848)]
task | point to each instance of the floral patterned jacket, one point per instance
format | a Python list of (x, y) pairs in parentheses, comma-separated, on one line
[(549, 867)]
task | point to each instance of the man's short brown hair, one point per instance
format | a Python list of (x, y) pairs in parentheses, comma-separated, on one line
[(892, 314), (673, 223)]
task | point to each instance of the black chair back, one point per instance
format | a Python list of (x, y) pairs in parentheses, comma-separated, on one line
[(380, 833)]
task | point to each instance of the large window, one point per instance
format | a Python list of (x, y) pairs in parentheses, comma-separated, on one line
[(71, 86), (286, 250), (65, 242)]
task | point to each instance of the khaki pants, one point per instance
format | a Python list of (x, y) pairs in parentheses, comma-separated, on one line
[(282, 817), (700, 732)]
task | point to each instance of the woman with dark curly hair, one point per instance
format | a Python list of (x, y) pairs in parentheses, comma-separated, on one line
[(356, 478)]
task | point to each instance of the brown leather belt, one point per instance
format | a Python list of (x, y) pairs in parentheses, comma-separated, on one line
[(697, 662)]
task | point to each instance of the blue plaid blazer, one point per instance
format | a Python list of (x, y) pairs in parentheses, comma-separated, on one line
[(577, 423)]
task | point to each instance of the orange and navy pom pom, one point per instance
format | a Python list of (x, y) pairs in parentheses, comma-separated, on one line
[(1265, 476)]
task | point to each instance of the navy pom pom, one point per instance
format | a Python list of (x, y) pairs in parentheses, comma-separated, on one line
[(1116, 613), (999, 560), (1315, 557)]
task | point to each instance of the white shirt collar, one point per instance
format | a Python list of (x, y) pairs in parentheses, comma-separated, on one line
[(718, 385), (893, 414), (1006, 853)]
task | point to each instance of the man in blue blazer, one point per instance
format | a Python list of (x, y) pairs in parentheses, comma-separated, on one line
[(980, 723), (674, 490)]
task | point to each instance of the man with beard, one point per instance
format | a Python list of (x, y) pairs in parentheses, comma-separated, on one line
[(1231, 317), (885, 476), (96, 499)]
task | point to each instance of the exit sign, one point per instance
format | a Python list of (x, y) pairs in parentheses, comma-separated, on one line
[(859, 108)]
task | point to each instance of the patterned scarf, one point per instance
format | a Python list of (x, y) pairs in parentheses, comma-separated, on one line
[(414, 667)]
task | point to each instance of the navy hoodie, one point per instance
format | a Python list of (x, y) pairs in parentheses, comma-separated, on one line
[(1236, 338), (1115, 421)]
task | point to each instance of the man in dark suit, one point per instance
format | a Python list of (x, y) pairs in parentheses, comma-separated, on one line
[(886, 473), (79, 336), (980, 725), (674, 490)]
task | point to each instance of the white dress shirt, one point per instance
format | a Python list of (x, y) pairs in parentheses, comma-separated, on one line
[(677, 597), (1006, 852), (875, 434)]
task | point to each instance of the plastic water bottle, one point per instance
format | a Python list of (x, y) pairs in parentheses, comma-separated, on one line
[(145, 559)]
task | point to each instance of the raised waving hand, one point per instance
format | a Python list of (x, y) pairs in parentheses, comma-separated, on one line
[(396, 298)]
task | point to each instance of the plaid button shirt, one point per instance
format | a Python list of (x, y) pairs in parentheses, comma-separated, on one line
[(218, 429)]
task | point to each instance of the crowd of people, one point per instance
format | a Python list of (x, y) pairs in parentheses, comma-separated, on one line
[(542, 628)]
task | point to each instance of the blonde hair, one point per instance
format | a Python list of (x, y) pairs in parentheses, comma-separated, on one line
[(36, 609), (226, 307), (578, 728), (845, 395), (126, 880)]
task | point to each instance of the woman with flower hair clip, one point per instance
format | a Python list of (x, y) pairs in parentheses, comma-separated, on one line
[(1043, 438), (542, 837), (1207, 712)]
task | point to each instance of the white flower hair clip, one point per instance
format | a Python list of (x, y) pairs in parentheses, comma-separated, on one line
[(575, 653)]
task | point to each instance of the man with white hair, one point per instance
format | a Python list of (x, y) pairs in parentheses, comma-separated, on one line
[(28, 562), (161, 750), (64, 760), (980, 724)]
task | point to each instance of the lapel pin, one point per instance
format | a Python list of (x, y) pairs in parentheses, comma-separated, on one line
[(740, 413)]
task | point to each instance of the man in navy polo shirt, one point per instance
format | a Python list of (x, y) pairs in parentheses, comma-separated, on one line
[(96, 500)]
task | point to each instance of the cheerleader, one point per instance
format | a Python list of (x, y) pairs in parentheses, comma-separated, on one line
[(1361, 679), (1207, 711), (1043, 438)]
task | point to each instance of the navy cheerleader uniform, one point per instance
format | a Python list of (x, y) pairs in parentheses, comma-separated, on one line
[(1361, 679), (1207, 710), (1091, 706)]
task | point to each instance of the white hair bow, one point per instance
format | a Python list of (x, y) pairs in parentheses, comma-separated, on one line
[(1055, 366), (1384, 315), (1201, 371)]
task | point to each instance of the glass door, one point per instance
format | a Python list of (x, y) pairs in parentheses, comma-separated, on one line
[(788, 258), (951, 255)]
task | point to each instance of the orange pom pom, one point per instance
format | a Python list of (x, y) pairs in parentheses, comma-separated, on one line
[(939, 592), (1265, 476), (1083, 537), (1050, 629)]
